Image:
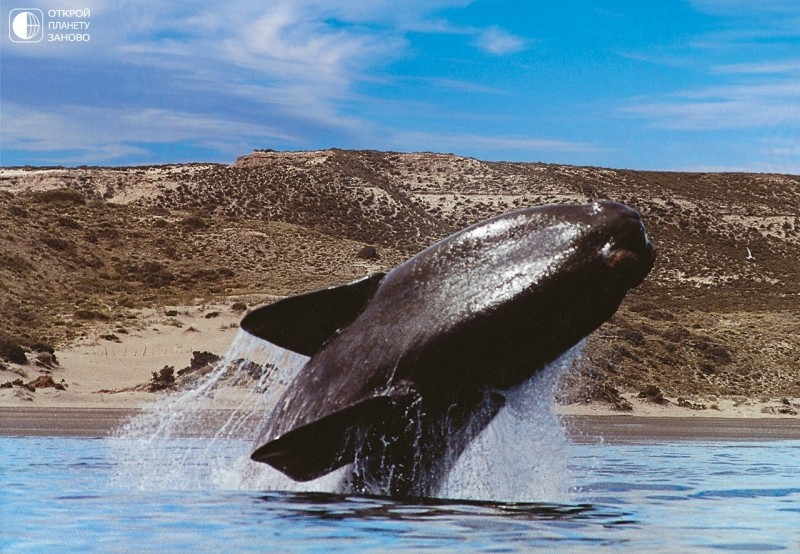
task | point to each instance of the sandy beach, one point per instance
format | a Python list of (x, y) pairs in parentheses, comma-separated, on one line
[(99, 378), (613, 429), (101, 369)]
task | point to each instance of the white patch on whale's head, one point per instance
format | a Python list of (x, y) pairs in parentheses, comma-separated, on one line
[(607, 248)]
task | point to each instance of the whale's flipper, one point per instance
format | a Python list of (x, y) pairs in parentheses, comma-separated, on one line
[(313, 450), (382, 432), (305, 322)]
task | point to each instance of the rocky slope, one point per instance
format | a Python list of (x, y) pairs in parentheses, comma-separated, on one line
[(83, 247)]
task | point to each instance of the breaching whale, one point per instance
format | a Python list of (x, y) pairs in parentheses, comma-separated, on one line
[(407, 367)]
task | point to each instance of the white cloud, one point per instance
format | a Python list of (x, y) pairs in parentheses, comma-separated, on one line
[(757, 105), (779, 68), (294, 66), (499, 42), (746, 8), (102, 134), (481, 143), (786, 90), (285, 41), (467, 86), (287, 55), (759, 93)]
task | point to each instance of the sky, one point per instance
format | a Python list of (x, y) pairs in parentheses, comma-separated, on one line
[(696, 85)]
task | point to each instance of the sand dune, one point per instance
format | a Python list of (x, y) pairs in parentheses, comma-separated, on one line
[(88, 253)]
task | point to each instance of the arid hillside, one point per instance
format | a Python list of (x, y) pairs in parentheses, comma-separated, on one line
[(719, 315)]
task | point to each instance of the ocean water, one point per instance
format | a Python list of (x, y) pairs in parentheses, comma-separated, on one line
[(177, 477), (63, 494)]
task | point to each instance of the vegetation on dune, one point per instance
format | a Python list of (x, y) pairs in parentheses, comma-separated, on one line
[(718, 314)]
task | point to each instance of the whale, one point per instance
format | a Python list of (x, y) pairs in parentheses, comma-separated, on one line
[(406, 367)]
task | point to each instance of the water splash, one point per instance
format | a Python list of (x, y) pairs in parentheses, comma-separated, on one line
[(520, 456), (157, 449)]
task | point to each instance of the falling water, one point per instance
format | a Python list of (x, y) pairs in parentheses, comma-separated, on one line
[(157, 449), (520, 456)]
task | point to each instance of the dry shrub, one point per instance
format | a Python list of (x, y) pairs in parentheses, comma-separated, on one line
[(12, 352), (194, 222), (91, 315), (14, 262), (161, 380), (68, 222), (58, 196), (57, 243), (18, 211)]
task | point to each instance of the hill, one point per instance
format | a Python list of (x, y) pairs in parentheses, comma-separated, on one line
[(83, 248)]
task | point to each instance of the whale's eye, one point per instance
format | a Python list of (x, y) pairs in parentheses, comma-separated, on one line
[(614, 255)]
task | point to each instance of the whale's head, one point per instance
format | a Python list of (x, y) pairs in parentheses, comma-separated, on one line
[(604, 254), (617, 246), (528, 285)]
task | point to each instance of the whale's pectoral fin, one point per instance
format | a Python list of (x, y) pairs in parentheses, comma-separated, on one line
[(381, 430), (305, 322), (329, 443)]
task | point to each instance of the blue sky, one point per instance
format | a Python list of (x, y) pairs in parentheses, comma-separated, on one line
[(676, 85)]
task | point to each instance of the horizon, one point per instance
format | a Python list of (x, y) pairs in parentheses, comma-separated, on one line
[(29, 167), (687, 86)]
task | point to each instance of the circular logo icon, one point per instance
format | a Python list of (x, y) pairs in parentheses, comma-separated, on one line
[(26, 25)]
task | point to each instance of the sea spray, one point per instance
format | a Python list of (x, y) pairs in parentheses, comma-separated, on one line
[(158, 448), (201, 438), (521, 456)]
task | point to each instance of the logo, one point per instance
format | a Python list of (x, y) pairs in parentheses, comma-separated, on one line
[(26, 25)]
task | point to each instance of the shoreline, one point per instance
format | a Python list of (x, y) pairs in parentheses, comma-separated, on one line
[(101, 386), (30, 421)]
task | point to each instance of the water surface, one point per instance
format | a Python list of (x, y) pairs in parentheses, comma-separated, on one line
[(177, 477), (61, 494)]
